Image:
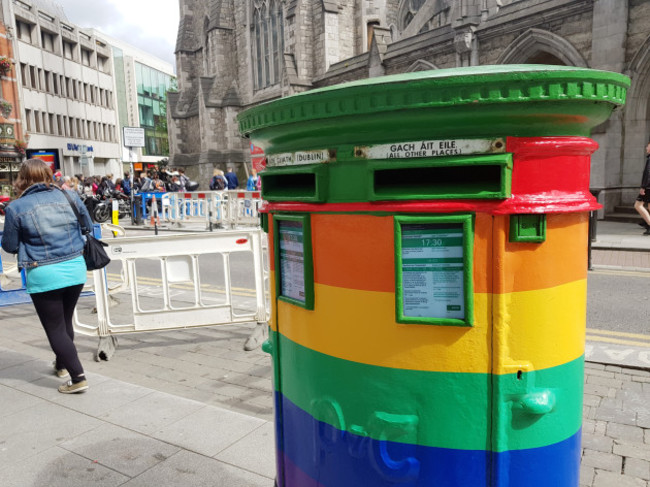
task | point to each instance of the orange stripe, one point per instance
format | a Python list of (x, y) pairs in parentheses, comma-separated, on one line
[(560, 260), (356, 251)]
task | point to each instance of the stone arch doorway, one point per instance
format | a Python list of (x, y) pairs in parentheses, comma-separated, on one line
[(636, 119), (537, 46)]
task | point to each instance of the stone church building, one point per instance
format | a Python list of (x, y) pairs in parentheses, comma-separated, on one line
[(234, 54)]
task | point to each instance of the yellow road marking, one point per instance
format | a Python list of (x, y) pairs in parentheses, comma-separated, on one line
[(204, 287), (618, 334), (617, 341)]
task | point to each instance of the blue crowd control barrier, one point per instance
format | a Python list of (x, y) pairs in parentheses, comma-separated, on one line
[(140, 200)]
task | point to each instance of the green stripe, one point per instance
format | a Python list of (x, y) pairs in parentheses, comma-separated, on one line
[(454, 410)]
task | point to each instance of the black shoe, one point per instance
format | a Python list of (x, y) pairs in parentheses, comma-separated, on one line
[(643, 224), (647, 232)]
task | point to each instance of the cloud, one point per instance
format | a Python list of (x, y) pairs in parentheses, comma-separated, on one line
[(150, 25)]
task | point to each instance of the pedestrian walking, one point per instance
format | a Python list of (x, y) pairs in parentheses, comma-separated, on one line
[(251, 184), (42, 229), (218, 181), (644, 194), (231, 177)]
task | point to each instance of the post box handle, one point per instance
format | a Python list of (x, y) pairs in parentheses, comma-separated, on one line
[(540, 402)]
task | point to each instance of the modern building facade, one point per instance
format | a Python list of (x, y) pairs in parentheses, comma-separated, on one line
[(141, 85), (234, 54), (66, 88)]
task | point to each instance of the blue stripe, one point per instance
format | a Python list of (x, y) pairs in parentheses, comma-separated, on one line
[(336, 458)]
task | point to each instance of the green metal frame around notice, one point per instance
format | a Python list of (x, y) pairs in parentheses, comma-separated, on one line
[(308, 260), (466, 220)]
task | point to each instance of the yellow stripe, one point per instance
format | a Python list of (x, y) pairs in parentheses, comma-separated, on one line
[(543, 328), (546, 329)]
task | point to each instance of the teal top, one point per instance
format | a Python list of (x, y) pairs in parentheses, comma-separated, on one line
[(56, 276)]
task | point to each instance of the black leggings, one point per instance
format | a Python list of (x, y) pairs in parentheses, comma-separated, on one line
[(55, 310)]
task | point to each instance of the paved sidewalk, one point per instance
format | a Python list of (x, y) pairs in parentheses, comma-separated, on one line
[(120, 434)]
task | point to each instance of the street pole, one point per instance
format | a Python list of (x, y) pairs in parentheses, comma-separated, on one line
[(131, 178)]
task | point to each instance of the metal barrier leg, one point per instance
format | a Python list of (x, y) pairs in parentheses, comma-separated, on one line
[(260, 335), (106, 348)]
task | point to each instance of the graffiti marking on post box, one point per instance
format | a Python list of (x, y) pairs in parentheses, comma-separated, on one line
[(431, 148), (299, 158)]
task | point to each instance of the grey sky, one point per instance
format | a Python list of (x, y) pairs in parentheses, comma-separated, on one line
[(150, 25)]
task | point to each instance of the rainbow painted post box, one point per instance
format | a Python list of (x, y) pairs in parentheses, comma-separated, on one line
[(428, 235)]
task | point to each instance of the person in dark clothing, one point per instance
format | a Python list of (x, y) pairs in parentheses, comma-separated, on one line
[(644, 194), (231, 177)]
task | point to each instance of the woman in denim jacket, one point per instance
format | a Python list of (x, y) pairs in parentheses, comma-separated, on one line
[(42, 229)]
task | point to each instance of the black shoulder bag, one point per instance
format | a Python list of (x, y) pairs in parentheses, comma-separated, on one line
[(94, 253)]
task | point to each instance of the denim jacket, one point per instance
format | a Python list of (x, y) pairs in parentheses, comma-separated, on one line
[(41, 227)]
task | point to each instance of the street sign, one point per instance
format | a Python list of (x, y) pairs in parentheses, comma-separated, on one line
[(133, 137)]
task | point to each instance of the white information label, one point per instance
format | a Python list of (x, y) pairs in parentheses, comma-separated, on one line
[(433, 271), (431, 148), (298, 158), (133, 137), (292, 260)]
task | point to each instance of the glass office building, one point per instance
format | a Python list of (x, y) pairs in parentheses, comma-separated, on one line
[(152, 87)]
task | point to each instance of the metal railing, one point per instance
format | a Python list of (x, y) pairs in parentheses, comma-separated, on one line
[(221, 208)]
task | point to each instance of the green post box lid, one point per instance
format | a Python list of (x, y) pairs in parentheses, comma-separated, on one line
[(503, 100)]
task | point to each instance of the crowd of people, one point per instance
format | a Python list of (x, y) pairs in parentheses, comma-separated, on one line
[(150, 181)]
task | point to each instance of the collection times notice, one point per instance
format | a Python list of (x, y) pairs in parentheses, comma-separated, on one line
[(432, 271), (292, 260)]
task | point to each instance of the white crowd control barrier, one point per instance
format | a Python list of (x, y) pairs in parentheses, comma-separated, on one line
[(224, 208), (176, 259)]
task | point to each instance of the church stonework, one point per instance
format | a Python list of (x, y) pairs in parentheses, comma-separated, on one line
[(234, 54)]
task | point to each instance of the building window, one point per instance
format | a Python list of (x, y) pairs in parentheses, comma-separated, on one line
[(85, 57), (37, 121), (102, 63), (48, 41), (24, 31), (68, 50), (48, 86), (268, 42), (32, 77), (24, 74), (371, 31), (152, 86), (28, 119)]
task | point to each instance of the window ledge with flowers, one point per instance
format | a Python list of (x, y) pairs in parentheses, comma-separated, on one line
[(5, 108), (5, 65), (20, 146)]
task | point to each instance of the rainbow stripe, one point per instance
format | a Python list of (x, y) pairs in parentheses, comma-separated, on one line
[(364, 400)]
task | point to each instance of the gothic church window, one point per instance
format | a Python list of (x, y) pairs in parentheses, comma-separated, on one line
[(408, 11), (267, 31)]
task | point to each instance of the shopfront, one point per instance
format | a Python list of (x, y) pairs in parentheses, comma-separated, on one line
[(9, 166)]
